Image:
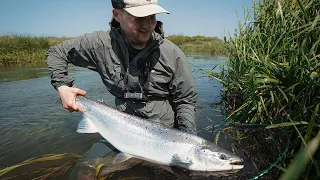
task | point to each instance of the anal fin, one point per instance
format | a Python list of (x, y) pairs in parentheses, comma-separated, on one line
[(121, 157)]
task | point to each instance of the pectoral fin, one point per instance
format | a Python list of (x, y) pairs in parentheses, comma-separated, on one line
[(121, 157), (86, 126), (176, 160)]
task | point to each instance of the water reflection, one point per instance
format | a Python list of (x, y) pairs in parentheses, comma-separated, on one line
[(17, 73)]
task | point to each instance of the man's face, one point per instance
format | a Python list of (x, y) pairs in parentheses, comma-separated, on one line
[(138, 30)]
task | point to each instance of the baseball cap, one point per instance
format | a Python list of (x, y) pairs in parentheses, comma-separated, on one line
[(139, 8)]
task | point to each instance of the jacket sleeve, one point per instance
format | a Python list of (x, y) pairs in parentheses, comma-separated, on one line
[(78, 51), (184, 94)]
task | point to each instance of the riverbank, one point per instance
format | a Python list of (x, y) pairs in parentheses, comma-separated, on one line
[(210, 45), (25, 50), (21, 50)]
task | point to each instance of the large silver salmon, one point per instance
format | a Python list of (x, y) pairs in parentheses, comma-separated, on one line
[(152, 141)]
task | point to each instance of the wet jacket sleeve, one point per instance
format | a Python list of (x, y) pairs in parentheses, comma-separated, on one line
[(78, 51), (184, 94)]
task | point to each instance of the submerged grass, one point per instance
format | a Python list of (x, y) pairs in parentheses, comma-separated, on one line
[(44, 172), (272, 74)]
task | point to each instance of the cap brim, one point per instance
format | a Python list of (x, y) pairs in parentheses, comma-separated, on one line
[(145, 10)]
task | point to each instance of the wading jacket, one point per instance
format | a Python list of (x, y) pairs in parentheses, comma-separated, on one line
[(160, 72)]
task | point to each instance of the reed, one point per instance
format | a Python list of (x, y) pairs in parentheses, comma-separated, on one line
[(272, 74)]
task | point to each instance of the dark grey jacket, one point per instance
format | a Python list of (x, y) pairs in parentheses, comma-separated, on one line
[(167, 82)]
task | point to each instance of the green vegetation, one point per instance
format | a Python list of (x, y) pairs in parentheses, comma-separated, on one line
[(26, 50), (211, 45), (23, 50), (60, 163), (272, 76)]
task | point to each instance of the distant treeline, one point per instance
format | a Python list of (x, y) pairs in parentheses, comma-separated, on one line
[(25, 49)]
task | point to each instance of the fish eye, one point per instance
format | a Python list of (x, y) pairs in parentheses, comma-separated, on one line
[(223, 157)]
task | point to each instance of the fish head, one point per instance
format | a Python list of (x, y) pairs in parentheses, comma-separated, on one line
[(213, 158)]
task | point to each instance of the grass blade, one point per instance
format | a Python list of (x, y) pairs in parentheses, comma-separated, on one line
[(311, 124), (302, 159)]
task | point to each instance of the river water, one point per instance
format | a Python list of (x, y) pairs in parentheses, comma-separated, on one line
[(33, 122)]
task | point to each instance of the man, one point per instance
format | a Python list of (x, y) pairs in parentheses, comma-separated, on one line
[(148, 75)]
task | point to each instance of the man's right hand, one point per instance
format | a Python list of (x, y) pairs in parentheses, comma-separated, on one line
[(68, 97)]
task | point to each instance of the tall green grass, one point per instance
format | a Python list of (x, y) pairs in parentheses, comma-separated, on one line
[(272, 74), (24, 49), (211, 45)]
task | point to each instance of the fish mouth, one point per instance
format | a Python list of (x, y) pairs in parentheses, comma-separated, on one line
[(236, 163), (229, 165)]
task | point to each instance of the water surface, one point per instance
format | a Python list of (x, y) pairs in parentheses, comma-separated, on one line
[(33, 122)]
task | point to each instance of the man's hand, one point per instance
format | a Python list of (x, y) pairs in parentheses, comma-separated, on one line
[(68, 97)]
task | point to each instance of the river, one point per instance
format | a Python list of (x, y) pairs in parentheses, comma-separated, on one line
[(33, 122)]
